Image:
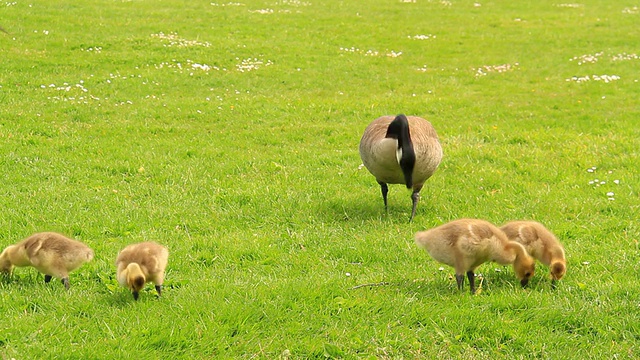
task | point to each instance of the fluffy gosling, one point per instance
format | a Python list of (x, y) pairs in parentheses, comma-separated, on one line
[(140, 263), (401, 150), (51, 253), (541, 244), (465, 244)]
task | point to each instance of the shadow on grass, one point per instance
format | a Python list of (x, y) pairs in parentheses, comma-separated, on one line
[(410, 287), (348, 210), (124, 298), (27, 279), (444, 287)]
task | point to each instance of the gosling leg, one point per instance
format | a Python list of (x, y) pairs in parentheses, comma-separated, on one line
[(159, 289), (65, 281), (47, 278), (472, 281), (460, 281)]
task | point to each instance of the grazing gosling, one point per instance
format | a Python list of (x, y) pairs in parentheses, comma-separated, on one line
[(465, 244), (140, 263), (541, 244), (401, 150), (51, 253)]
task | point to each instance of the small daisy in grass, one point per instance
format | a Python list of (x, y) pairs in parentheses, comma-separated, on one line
[(624, 56), (422, 37), (251, 64), (601, 183), (262, 11), (588, 58), (228, 4), (172, 39), (293, 3), (486, 69), (355, 50), (569, 5), (93, 49), (603, 78)]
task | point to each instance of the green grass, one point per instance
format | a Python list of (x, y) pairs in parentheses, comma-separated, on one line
[(252, 180)]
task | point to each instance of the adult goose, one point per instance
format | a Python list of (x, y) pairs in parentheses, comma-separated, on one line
[(401, 150)]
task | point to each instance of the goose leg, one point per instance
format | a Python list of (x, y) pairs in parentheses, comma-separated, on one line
[(385, 190), (415, 197), (472, 281)]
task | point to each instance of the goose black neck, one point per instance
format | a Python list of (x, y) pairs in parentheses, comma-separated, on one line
[(399, 129)]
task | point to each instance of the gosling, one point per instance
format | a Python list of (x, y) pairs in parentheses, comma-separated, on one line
[(51, 253), (541, 244), (401, 150), (140, 263), (465, 244)]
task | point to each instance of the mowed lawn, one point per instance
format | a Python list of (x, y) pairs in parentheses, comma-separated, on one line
[(229, 131)]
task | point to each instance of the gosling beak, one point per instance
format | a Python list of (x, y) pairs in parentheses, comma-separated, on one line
[(135, 295), (524, 282)]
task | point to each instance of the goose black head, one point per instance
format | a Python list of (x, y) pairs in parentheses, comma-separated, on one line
[(399, 129)]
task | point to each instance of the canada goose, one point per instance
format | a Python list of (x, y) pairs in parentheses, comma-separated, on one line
[(465, 244), (140, 263), (401, 150), (540, 243), (52, 254)]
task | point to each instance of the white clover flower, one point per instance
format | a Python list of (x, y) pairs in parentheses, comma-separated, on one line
[(484, 70), (422, 37)]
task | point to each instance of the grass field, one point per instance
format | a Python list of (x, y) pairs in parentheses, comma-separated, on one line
[(229, 132)]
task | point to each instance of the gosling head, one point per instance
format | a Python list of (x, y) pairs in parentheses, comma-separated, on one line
[(136, 284), (135, 279), (5, 263), (524, 269), (558, 269)]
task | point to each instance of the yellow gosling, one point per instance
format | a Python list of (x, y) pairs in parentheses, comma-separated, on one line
[(51, 253), (401, 150), (541, 243), (465, 244), (140, 263)]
